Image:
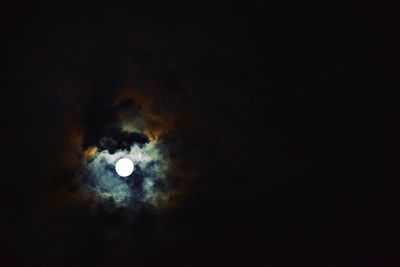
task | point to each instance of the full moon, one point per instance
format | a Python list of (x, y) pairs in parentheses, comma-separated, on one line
[(124, 167)]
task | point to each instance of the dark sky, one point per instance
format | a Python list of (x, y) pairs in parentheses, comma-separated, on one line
[(296, 138)]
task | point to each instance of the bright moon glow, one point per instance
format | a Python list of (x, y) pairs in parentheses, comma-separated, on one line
[(124, 167)]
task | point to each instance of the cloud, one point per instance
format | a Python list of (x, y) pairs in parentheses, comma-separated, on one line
[(105, 185)]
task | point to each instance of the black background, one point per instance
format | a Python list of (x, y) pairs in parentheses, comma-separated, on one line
[(303, 95)]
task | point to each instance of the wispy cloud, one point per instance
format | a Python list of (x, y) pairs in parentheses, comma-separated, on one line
[(141, 187)]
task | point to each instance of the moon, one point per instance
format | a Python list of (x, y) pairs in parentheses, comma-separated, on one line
[(124, 167)]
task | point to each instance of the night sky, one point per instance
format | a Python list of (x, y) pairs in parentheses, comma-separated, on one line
[(267, 132)]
